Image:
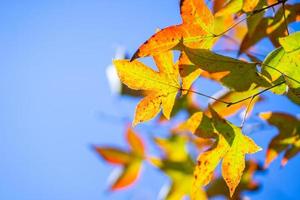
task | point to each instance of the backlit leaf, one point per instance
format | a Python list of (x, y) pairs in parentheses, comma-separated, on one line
[(236, 69), (231, 147), (162, 86), (286, 60)]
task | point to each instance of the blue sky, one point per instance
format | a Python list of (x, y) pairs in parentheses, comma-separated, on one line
[(53, 57)]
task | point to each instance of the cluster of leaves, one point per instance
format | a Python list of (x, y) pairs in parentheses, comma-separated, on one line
[(216, 139)]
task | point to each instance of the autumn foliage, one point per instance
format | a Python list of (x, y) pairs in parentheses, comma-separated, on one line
[(169, 89)]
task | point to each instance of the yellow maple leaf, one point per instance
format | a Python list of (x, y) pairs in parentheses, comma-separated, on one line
[(161, 86), (231, 147)]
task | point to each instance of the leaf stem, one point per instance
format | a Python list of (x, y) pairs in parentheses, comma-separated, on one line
[(204, 95)]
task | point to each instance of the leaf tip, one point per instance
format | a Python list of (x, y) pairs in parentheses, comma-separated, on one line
[(284, 161), (135, 55), (271, 155), (265, 115)]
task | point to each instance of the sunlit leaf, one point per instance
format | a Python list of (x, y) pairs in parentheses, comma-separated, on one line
[(236, 69), (163, 85), (231, 147), (284, 62)]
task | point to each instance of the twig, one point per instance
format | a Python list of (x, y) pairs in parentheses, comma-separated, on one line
[(204, 95), (247, 110), (269, 88), (235, 102)]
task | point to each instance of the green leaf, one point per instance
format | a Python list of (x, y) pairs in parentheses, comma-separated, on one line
[(285, 62), (235, 70)]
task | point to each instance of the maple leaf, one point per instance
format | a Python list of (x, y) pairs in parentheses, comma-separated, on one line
[(231, 147), (161, 87), (233, 70), (131, 161), (288, 138), (283, 63)]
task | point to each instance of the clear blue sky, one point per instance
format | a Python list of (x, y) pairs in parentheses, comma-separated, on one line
[(53, 56)]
